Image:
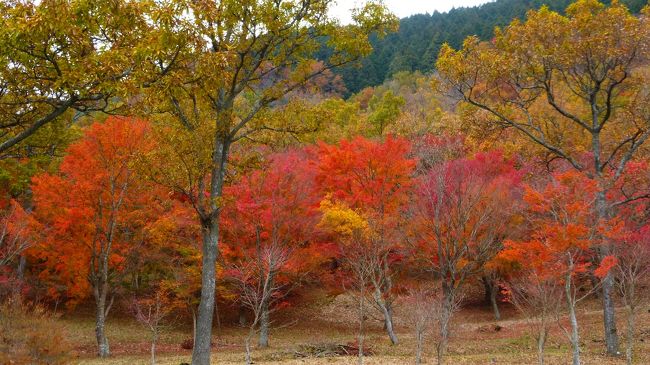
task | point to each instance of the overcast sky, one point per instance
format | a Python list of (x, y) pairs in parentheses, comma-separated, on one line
[(404, 8)]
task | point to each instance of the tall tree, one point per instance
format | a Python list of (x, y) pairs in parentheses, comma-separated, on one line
[(91, 209), (570, 84), (560, 245), (270, 214), (460, 220), (372, 179), (222, 64)]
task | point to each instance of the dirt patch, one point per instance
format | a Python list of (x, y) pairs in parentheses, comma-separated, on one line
[(491, 328)]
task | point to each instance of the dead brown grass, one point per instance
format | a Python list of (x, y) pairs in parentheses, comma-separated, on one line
[(471, 343)]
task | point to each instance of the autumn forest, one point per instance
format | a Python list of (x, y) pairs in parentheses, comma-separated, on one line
[(254, 181)]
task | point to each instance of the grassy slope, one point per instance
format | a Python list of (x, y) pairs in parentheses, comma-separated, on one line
[(470, 345)]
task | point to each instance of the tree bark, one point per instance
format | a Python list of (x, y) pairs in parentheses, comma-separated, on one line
[(629, 348), (103, 350), (247, 347), (193, 327), (387, 312), (573, 320), (491, 290), (541, 343), (242, 316), (263, 340), (609, 315), (361, 321), (210, 230), (487, 290), (493, 300), (611, 335), (153, 350), (100, 292), (441, 348), (419, 336), (445, 317), (575, 339), (388, 323), (203, 335)]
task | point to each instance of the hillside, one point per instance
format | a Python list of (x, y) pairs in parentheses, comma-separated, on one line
[(415, 46)]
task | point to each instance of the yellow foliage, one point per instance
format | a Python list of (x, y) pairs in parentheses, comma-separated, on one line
[(342, 220)]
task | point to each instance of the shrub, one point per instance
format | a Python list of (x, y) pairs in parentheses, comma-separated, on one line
[(31, 335)]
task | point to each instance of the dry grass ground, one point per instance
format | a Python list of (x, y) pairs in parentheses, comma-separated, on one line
[(471, 343)]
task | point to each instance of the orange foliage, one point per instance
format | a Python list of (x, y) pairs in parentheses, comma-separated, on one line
[(562, 223), (94, 205)]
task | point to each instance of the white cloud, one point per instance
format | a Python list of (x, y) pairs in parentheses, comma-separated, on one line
[(403, 8)]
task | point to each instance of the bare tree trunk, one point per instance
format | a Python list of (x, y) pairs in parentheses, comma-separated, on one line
[(441, 348), (263, 340), (541, 343), (193, 327), (247, 347), (388, 322), (242, 316), (491, 290), (153, 348), (387, 312), (100, 292), (611, 335), (100, 323), (216, 314), (573, 320), (487, 289), (203, 335), (22, 263), (629, 348), (609, 315), (361, 321), (419, 336), (493, 300), (575, 339), (210, 227), (447, 308)]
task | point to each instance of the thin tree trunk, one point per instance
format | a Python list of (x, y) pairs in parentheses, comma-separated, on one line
[(609, 315), (573, 320), (448, 299), (629, 350), (100, 292), (442, 344), (265, 320), (247, 346), (575, 339), (388, 323), (541, 343), (361, 322), (193, 327), (242, 316), (216, 314), (419, 336), (153, 349), (487, 289)]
